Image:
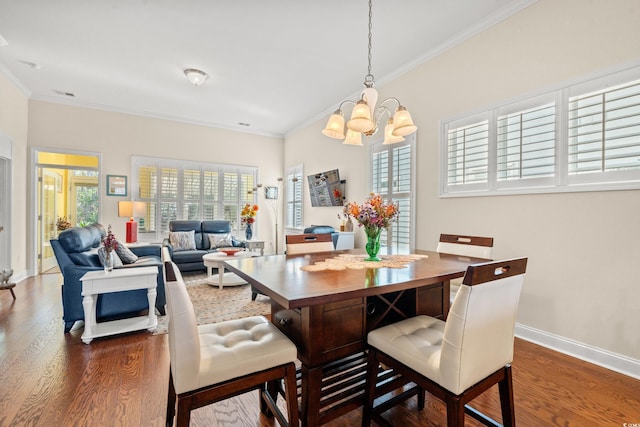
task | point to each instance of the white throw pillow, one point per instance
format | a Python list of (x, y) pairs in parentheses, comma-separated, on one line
[(102, 254), (220, 240), (125, 253), (182, 240)]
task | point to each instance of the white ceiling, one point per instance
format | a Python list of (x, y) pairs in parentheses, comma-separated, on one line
[(276, 65)]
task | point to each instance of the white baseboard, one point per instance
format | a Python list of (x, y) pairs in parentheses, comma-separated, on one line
[(615, 362)]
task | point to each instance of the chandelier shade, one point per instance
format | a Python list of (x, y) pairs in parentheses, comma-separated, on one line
[(360, 117), (389, 137), (403, 124), (353, 138), (367, 113), (335, 126)]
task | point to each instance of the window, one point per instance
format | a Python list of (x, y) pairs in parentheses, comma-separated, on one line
[(578, 138), (392, 176), (182, 190), (294, 197)]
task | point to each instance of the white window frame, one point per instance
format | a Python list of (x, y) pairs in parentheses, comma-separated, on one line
[(297, 171), (378, 146), (562, 180), (181, 165)]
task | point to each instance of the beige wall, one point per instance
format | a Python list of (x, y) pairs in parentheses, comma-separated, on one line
[(582, 247), (119, 136), (14, 123)]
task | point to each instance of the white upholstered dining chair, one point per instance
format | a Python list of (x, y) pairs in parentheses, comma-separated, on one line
[(308, 243), (213, 362), (461, 358), (468, 246)]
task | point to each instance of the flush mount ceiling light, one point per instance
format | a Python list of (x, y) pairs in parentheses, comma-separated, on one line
[(366, 115), (196, 77)]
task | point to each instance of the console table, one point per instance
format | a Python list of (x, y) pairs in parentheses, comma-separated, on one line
[(98, 282)]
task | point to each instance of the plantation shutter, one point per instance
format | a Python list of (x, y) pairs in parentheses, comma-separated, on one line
[(294, 198), (392, 178), (191, 194), (468, 154), (604, 130), (526, 143)]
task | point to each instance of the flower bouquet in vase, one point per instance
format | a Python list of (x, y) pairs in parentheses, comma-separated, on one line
[(373, 215), (110, 243), (248, 216)]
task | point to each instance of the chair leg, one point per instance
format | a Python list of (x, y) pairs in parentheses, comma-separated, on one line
[(455, 411), (291, 393), (183, 417), (171, 401), (254, 295), (421, 397), (370, 387), (505, 388)]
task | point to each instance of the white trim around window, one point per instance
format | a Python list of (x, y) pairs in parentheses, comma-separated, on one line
[(583, 136)]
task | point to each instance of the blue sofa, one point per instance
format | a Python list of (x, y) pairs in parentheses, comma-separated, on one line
[(191, 260), (76, 250)]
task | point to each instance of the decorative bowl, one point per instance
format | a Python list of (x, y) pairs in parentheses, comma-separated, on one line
[(230, 251)]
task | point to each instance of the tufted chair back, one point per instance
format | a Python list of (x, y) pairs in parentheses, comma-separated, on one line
[(479, 331), (184, 340)]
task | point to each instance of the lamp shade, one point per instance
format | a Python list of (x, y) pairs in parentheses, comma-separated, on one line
[(353, 138), (132, 209), (335, 126), (403, 122), (389, 137), (360, 117)]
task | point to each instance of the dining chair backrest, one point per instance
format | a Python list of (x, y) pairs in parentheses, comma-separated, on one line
[(472, 246), (308, 243), (479, 331), (184, 339)]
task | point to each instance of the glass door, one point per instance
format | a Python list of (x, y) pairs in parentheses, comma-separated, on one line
[(5, 186), (68, 196), (51, 181)]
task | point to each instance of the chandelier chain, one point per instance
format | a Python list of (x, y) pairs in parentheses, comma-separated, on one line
[(368, 80)]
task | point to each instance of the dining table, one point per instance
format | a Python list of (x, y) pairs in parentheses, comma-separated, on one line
[(327, 302)]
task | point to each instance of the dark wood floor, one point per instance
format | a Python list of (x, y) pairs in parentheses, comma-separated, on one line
[(48, 378)]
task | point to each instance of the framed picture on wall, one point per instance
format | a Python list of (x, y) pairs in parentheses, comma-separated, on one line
[(116, 185)]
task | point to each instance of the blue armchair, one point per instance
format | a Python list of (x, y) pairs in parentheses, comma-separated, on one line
[(76, 250)]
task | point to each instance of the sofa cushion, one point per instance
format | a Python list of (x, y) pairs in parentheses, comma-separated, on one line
[(182, 240), (181, 257), (125, 253), (145, 261), (86, 259), (77, 239), (102, 255)]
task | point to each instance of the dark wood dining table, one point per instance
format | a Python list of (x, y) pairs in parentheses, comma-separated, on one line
[(328, 314)]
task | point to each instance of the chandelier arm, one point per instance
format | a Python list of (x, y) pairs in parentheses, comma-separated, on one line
[(345, 102), (380, 110), (391, 99)]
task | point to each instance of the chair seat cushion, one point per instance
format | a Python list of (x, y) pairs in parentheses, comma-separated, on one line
[(416, 342), (234, 348)]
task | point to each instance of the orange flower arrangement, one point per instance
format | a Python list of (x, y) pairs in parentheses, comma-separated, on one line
[(374, 213), (248, 213)]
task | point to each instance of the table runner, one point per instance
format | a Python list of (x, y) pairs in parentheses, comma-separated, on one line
[(357, 262)]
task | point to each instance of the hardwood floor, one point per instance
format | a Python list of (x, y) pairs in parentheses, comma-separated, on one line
[(48, 378)]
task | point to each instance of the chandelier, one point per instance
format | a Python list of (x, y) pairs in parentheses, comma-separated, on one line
[(366, 115)]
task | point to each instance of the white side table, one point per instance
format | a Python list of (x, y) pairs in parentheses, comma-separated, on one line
[(254, 244), (222, 279), (98, 282)]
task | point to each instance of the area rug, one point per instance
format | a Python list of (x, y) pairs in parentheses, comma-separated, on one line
[(212, 304)]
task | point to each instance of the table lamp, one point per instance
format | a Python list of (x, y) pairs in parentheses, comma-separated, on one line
[(132, 210)]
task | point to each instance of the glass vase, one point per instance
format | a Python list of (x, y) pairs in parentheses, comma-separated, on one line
[(248, 232), (373, 243), (108, 262)]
